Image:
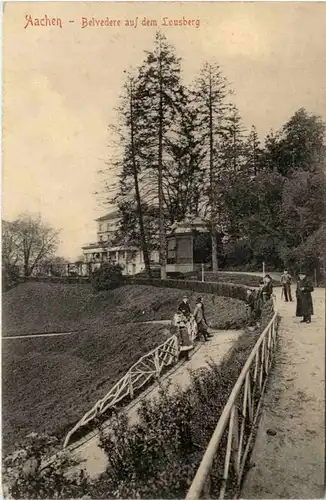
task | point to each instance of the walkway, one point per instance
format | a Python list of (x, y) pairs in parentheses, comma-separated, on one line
[(289, 454), (93, 458)]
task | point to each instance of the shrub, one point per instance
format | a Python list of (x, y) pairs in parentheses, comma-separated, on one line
[(24, 476), (107, 277)]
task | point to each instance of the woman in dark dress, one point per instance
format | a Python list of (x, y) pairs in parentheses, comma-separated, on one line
[(267, 288), (304, 298)]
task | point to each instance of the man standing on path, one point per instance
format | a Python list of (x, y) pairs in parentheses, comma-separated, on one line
[(304, 299), (286, 284)]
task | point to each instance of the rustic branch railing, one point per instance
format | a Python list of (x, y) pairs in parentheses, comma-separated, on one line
[(237, 423), (147, 368)]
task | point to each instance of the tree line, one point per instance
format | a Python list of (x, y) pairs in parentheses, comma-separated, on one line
[(186, 153)]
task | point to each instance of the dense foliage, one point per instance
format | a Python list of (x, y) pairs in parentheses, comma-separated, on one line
[(107, 277), (186, 153)]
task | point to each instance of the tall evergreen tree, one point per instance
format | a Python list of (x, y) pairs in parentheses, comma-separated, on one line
[(211, 91), (254, 153), (129, 198), (185, 172), (160, 96)]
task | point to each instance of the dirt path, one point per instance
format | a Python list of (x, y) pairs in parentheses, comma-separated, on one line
[(37, 335), (289, 460), (94, 461)]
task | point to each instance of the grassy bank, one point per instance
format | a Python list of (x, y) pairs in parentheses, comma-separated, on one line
[(50, 307), (50, 382)]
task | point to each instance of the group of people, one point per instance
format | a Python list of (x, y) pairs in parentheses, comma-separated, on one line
[(257, 298), (190, 324), (304, 307), (198, 315)]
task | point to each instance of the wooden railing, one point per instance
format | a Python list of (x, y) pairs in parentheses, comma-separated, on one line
[(237, 423), (147, 369)]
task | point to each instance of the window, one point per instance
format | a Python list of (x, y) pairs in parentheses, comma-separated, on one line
[(172, 247)]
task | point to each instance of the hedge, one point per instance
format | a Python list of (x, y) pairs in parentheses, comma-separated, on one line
[(221, 289), (250, 280), (56, 279)]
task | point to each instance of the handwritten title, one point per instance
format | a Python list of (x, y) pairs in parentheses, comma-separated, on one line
[(107, 22)]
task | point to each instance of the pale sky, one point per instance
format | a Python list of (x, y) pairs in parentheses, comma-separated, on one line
[(60, 87)]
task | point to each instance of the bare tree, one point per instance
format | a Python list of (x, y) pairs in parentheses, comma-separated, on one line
[(28, 242)]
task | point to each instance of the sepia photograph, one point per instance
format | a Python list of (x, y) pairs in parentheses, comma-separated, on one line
[(163, 250)]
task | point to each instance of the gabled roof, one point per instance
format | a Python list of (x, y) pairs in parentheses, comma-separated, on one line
[(109, 216)]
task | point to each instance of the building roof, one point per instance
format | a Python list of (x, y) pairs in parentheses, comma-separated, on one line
[(109, 216), (188, 225), (105, 247)]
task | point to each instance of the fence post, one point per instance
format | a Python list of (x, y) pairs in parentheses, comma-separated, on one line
[(263, 269), (207, 486), (131, 389), (235, 443), (202, 273), (157, 363)]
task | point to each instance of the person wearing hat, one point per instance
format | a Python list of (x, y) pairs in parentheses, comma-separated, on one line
[(199, 315), (184, 307), (304, 298)]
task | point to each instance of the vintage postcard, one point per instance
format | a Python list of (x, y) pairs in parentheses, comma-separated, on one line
[(163, 249)]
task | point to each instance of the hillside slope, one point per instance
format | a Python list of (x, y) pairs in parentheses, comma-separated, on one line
[(50, 382), (54, 307)]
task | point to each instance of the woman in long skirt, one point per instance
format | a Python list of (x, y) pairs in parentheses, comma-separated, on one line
[(304, 299), (182, 327)]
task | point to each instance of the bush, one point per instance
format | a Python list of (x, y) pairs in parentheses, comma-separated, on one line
[(107, 277), (155, 273), (235, 253), (26, 478)]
